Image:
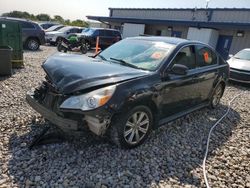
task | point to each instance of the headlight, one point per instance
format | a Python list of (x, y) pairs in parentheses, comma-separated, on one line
[(90, 100)]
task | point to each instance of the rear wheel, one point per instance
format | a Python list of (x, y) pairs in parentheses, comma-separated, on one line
[(58, 40), (132, 129), (59, 47), (215, 100), (32, 44)]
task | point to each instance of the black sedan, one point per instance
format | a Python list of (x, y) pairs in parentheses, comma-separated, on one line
[(132, 87)]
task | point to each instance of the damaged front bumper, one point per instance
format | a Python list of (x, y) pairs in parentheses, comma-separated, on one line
[(96, 123)]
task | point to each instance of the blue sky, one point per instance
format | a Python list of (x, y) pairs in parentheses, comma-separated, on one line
[(74, 9)]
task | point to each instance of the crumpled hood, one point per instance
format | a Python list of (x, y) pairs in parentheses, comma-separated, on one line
[(70, 73), (239, 64)]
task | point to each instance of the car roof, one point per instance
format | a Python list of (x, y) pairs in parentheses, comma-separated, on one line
[(16, 19), (96, 28), (170, 40)]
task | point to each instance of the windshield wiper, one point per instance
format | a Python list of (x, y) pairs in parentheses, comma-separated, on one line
[(126, 63)]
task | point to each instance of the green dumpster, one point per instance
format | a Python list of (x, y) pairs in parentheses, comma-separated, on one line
[(11, 35), (5, 60)]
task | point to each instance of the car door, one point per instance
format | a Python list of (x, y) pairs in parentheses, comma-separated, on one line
[(207, 71), (178, 92)]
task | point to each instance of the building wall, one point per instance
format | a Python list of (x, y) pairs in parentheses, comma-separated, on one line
[(152, 30), (231, 16), (218, 15), (238, 43)]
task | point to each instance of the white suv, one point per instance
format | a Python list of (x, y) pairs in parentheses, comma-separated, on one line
[(54, 36)]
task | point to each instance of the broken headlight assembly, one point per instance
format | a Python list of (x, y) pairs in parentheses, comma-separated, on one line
[(89, 101)]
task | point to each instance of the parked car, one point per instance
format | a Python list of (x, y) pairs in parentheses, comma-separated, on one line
[(54, 28), (240, 66), (47, 25), (132, 87), (107, 37), (32, 34), (54, 37)]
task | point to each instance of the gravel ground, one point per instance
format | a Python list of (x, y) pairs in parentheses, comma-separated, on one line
[(172, 157)]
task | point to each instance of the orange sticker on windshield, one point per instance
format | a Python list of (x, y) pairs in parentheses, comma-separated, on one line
[(206, 57), (157, 55)]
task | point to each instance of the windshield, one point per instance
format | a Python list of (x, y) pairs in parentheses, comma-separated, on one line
[(64, 29), (243, 54), (144, 54), (88, 31)]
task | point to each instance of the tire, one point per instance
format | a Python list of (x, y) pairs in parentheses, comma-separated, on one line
[(125, 133), (59, 47), (32, 44), (83, 49), (217, 94), (58, 40)]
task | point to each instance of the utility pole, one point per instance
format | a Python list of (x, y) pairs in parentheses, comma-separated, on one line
[(207, 3)]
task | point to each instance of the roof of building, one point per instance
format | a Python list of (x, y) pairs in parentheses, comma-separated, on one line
[(199, 24), (181, 9)]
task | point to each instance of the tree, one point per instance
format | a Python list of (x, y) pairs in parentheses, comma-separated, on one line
[(17, 14), (43, 17), (67, 22), (79, 23), (58, 19), (46, 17)]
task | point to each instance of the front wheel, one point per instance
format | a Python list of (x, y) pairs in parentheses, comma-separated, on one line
[(60, 48), (131, 129), (217, 94)]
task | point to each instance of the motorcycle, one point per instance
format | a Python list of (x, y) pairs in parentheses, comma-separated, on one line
[(71, 44)]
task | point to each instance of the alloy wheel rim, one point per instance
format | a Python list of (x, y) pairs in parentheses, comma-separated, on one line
[(33, 45), (136, 127), (217, 96)]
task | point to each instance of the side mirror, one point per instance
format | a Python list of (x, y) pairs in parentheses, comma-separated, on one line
[(179, 69)]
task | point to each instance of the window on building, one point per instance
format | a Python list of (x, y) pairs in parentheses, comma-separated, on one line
[(186, 57), (205, 56)]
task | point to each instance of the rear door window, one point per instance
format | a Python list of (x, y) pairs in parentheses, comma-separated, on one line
[(101, 33), (205, 56), (117, 33), (27, 25), (109, 33)]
